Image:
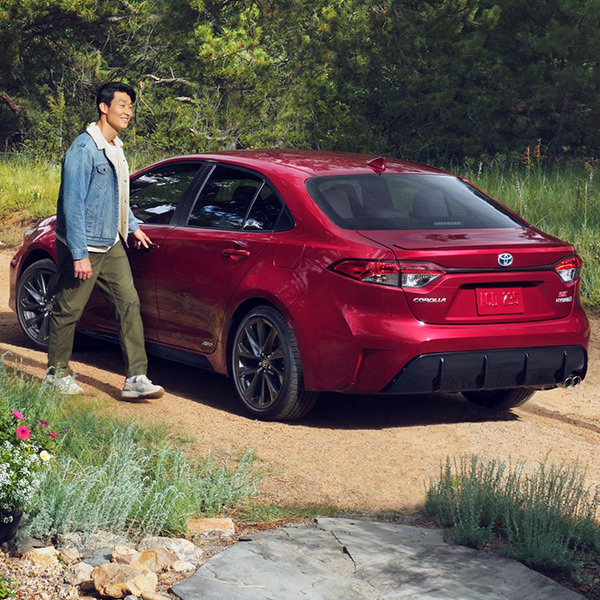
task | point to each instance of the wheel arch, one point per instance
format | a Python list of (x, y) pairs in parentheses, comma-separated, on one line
[(34, 256)]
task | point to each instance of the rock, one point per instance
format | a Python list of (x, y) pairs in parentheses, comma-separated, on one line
[(79, 573), (211, 527), (156, 559), (130, 597), (124, 555), (182, 566), (21, 545), (182, 548), (116, 580), (44, 557), (98, 557), (69, 556), (90, 542), (153, 596)]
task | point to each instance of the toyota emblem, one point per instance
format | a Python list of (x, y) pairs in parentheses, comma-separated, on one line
[(505, 259)]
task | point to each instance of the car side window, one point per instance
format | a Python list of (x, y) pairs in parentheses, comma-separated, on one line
[(226, 199), (154, 195), (265, 211)]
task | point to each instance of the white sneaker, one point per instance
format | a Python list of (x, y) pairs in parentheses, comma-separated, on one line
[(139, 387), (64, 385)]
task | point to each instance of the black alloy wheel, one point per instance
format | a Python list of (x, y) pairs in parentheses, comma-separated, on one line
[(266, 367), (500, 399), (35, 299)]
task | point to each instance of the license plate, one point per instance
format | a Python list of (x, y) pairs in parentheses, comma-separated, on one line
[(499, 301)]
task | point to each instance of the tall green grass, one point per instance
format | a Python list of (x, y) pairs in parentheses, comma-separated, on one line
[(562, 202), (120, 476)]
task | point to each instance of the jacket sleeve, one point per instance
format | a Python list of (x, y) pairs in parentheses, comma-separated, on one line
[(133, 222), (76, 178)]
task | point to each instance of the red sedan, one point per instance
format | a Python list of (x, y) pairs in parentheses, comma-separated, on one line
[(296, 272)]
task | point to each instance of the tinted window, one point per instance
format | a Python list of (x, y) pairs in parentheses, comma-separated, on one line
[(155, 194), (407, 201), (264, 212), (225, 199)]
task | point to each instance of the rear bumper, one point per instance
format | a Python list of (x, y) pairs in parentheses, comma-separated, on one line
[(544, 367)]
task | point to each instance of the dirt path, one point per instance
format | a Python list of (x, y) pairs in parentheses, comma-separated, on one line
[(357, 452)]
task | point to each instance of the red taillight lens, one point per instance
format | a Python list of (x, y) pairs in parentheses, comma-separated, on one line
[(568, 269), (382, 272), (387, 272), (417, 275)]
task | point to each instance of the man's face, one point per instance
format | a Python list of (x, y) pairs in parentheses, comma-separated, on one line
[(119, 112)]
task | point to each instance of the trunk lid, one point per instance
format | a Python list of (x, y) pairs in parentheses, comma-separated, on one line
[(492, 275)]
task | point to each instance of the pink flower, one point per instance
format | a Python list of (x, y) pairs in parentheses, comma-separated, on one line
[(17, 415), (44, 423), (23, 432), (52, 435)]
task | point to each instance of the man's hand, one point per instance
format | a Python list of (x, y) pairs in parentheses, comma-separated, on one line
[(82, 269), (141, 239)]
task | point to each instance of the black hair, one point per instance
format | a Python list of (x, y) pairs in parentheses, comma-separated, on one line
[(107, 92)]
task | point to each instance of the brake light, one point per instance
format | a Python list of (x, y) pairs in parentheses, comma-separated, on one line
[(417, 275), (568, 269), (387, 272), (382, 272)]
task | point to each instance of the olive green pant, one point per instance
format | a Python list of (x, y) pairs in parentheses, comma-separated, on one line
[(112, 274)]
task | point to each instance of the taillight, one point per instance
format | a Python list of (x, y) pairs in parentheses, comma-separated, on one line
[(382, 272), (568, 269), (388, 272), (417, 275)]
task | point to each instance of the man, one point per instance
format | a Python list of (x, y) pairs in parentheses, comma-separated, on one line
[(93, 221)]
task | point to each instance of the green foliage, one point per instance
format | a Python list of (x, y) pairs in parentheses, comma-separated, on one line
[(7, 589), (544, 517), (421, 80), (121, 477)]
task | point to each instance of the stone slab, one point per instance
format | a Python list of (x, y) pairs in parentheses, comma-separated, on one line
[(342, 559)]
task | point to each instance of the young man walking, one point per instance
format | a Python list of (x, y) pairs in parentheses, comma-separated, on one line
[(92, 224)]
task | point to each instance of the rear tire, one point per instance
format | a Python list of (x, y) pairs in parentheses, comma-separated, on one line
[(35, 294), (500, 399), (266, 367)]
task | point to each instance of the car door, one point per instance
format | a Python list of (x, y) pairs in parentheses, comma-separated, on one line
[(201, 263), (155, 197)]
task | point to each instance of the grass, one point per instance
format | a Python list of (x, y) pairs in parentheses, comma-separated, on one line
[(543, 516), (118, 476)]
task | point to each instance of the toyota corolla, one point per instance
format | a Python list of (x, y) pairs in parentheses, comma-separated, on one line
[(297, 272)]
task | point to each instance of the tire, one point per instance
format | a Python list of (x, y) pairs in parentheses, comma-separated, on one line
[(500, 399), (266, 367), (34, 301)]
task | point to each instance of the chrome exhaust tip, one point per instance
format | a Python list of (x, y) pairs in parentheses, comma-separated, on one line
[(572, 381)]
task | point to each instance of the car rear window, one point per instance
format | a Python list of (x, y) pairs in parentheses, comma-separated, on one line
[(407, 201)]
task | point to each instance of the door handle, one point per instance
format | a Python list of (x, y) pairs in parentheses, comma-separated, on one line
[(235, 253), (152, 248)]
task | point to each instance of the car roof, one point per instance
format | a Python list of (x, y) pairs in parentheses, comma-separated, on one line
[(311, 162)]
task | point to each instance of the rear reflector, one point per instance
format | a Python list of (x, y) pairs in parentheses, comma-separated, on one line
[(568, 269), (387, 272)]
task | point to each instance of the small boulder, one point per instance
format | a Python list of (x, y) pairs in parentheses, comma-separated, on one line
[(182, 566), (124, 555), (116, 581), (156, 559), (69, 556), (207, 528), (43, 557), (182, 548), (79, 573)]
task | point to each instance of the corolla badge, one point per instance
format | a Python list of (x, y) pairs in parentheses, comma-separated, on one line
[(505, 259)]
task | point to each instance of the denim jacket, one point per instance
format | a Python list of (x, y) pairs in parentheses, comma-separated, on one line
[(88, 199)]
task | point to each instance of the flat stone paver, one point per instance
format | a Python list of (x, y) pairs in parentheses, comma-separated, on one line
[(343, 559)]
